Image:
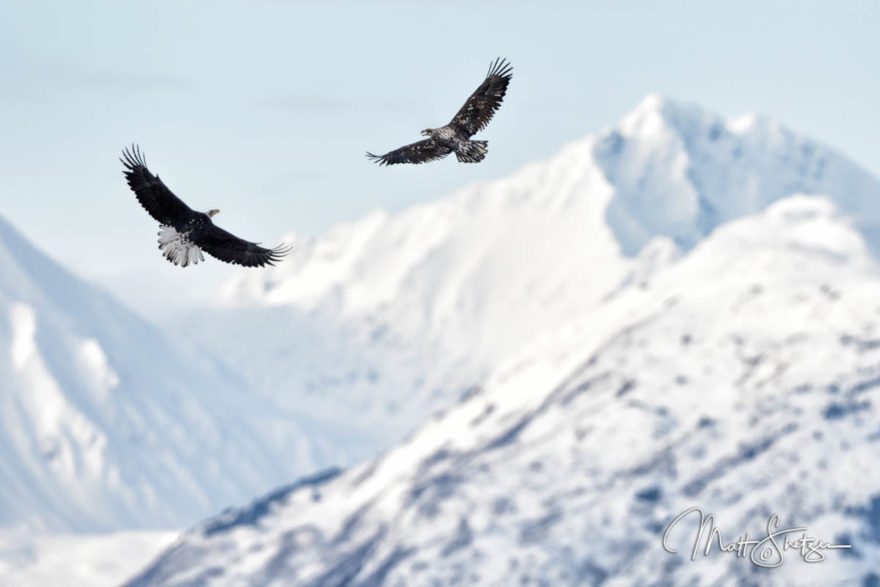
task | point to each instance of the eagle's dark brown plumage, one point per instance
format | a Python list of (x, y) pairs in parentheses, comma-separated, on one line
[(455, 136)]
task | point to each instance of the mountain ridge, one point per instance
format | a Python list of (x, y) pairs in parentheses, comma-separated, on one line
[(725, 357), (109, 423), (426, 301), (742, 379)]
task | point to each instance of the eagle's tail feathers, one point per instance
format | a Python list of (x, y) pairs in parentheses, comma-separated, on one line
[(473, 152), (177, 247)]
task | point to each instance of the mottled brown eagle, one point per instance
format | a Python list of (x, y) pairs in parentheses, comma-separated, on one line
[(455, 136), (185, 233)]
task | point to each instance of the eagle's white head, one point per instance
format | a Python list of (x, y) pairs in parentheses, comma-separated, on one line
[(212, 213), (427, 132)]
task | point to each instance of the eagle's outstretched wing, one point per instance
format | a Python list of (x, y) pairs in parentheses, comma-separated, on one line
[(420, 152), (153, 195), (479, 108), (229, 248)]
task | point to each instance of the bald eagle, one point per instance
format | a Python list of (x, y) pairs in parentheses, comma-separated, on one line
[(183, 232), (455, 136)]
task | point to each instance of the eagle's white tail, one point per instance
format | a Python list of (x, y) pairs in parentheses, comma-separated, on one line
[(472, 151), (177, 247)]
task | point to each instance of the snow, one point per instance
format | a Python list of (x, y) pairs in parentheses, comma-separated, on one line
[(76, 560), (107, 424), (21, 317), (94, 361), (394, 316), (741, 377), (680, 172), (677, 310)]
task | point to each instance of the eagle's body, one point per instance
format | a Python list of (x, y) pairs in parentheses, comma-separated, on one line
[(455, 140), (455, 136), (185, 233)]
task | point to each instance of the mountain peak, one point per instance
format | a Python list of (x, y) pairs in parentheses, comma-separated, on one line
[(648, 118), (651, 103), (654, 104), (497, 263), (679, 171), (657, 112)]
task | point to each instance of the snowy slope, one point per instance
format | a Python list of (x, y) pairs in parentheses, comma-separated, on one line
[(743, 378), (106, 423), (394, 316), (29, 559)]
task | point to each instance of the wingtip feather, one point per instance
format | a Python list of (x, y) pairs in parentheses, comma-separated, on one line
[(500, 67), (133, 157), (379, 159)]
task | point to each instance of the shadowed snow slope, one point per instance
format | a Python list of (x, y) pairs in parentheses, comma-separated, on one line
[(393, 316), (743, 378), (106, 423)]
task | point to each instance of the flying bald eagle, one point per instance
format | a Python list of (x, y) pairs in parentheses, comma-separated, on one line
[(185, 233), (455, 136)]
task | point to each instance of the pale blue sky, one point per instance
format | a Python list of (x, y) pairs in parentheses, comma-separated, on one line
[(264, 109)]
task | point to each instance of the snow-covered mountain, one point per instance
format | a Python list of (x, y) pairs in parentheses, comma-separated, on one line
[(107, 423), (394, 316), (743, 378)]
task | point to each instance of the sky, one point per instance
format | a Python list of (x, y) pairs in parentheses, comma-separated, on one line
[(264, 109)]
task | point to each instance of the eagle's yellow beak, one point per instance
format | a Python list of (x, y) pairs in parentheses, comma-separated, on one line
[(212, 213)]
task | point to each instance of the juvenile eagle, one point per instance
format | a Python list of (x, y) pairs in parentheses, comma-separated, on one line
[(455, 136), (185, 233)]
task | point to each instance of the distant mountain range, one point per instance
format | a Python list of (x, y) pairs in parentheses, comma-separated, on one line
[(656, 319), (652, 319), (743, 379), (392, 317)]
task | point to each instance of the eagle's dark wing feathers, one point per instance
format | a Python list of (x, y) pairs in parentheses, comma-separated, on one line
[(420, 152), (153, 195), (479, 108), (229, 248)]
